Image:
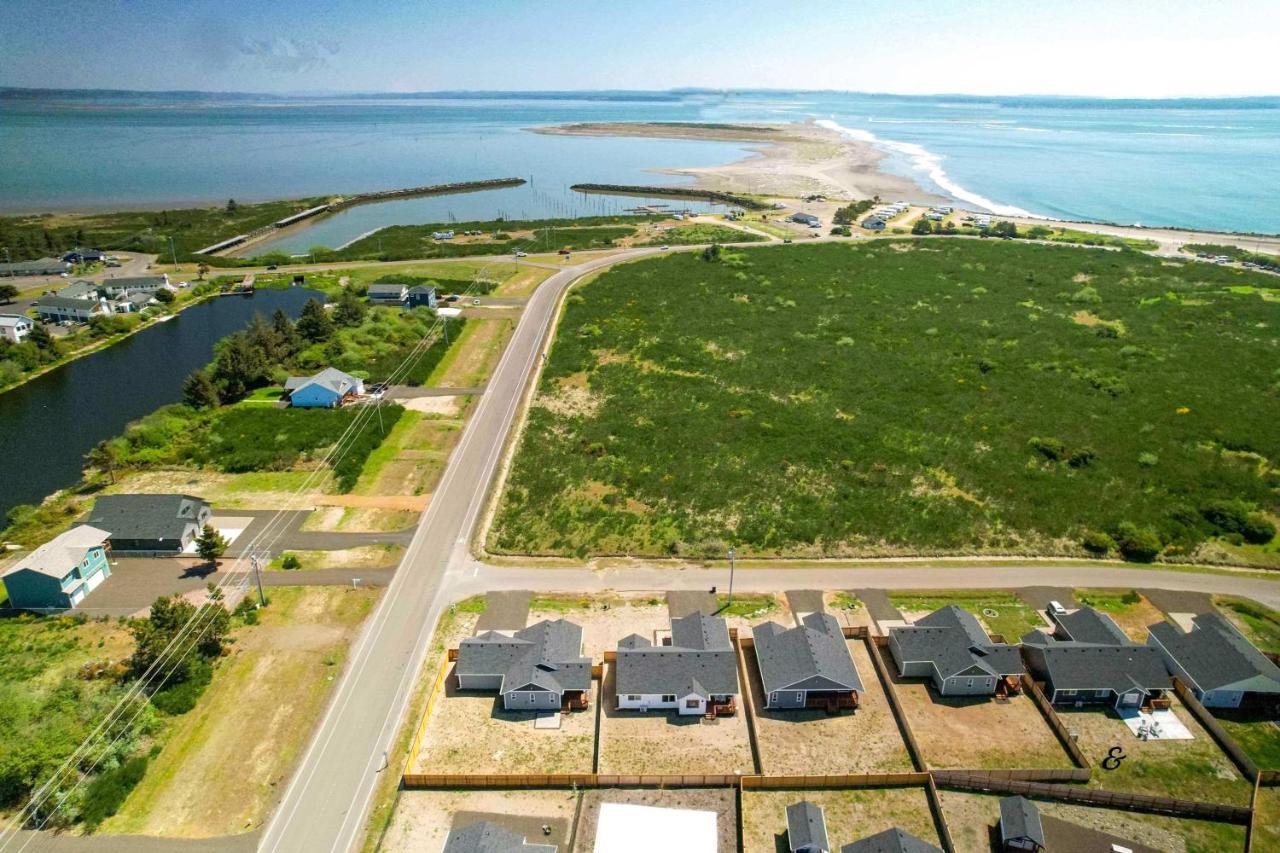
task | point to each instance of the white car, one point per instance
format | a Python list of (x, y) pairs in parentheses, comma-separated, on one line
[(522, 254), (664, 248)]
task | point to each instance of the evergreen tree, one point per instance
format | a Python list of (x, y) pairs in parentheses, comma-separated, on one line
[(169, 618), (286, 334), (41, 338), (239, 367), (350, 310), (199, 392), (314, 325), (7, 292), (104, 457), (211, 544), (262, 335)]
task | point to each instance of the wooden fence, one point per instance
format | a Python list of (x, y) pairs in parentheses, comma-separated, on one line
[(1220, 735), (939, 816), (855, 632), (874, 645), (416, 745), (846, 780), (966, 781), (748, 706), (419, 781), (1055, 722), (1055, 775)]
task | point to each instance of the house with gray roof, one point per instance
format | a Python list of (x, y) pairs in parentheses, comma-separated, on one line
[(806, 666), (60, 573), (328, 389), (488, 837), (697, 673), (1020, 826), (137, 284), (1214, 659), (891, 841), (14, 328), (1087, 625), (537, 668), (807, 828), (80, 289), (1090, 674), (60, 309), (148, 525), (40, 266), (951, 649), (388, 294)]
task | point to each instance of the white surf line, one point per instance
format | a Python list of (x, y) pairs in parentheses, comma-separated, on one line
[(924, 160)]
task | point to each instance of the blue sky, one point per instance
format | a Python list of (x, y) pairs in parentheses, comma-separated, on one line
[(1121, 48)]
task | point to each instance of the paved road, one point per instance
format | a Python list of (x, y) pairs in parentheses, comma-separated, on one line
[(325, 804)]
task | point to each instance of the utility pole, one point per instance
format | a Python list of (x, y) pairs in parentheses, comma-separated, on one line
[(444, 321), (8, 259), (173, 252), (257, 575), (731, 566)]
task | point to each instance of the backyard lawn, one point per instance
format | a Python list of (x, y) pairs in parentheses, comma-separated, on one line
[(900, 397), (1256, 621), (1001, 612)]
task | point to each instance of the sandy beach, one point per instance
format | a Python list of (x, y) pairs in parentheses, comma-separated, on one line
[(790, 160)]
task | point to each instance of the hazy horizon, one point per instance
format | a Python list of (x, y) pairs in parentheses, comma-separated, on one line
[(1173, 49)]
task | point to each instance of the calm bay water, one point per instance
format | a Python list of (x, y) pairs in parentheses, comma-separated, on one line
[(48, 424), (1205, 163)]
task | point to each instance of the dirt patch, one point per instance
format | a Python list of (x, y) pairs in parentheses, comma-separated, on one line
[(359, 519), (810, 742), (1086, 318), (423, 819), (445, 406), (573, 398), (978, 732), (851, 814), (1081, 278), (718, 800), (970, 815), (408, 503), (472, 358)]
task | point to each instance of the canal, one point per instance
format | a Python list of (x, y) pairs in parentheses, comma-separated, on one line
[(48, 424)]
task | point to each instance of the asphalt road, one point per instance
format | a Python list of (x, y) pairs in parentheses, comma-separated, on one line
[(325, 804)]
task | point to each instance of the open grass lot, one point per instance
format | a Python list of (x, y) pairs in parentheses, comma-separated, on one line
[(1131, 610), (1013, 617), (1256, 734), (411, 459), (810, 742), (1193, 769), (423, 819), (1256, 621), (1266, 820), (895, 397), (224, 763), (851, 814), (470, 732), (473, 357), (697, 233), (978, 732), (665, 742), (970, 815), (362, 557)]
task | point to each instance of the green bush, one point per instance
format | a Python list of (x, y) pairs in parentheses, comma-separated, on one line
[(1137, 544), (1050, 448), (108, 791), (290, 562), (1226, 516), (1097, 542), (177, 699), (1258, 529)]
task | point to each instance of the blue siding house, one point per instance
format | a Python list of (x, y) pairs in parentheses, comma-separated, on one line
[(60, 573), (328, 389)]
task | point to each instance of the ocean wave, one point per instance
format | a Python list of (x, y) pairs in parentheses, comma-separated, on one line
[(924, 160)]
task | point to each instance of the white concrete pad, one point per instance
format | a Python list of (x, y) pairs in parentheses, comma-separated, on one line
[(229, 526), (1183, 620), (1158, 725), (550, 720), (625, 828)]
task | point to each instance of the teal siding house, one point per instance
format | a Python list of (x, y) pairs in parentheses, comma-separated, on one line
[(328, 389), (60, 573)]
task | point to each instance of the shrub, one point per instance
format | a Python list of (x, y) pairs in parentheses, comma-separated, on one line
[(1050, 448), (1148, 460), (290, 562), (1258, 529), (177, 699), (1226, 516), (106, 793), (1081, 457), (1139, 545), (1097, 542)]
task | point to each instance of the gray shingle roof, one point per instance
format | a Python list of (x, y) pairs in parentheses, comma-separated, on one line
[(137, 282), (890, 841), (331, 377), (1087, 625), (1020, 818), (387, 289), (547, 655), (62, 553), (1214, 653), (700, 660), (145, 516), (79, 289), (1081, 666), (488, 837), (64, 302), (806, 825), (814, 649), (953, 640)]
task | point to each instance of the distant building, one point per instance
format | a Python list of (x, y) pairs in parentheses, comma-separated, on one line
[(137, 284), (696, 674), (1222, 668), (537, 668), (951, 649), (488, 837), (150, 524), (806, 828), (890, 841), (807, 663), (1024, 829), (61, 572), (806, 219), (388, 294), (328, 389), (80, 255), (40, 266), (14, 328), (1020, 826), (422, 295), (59, 309), (873, 223), (80, 289)]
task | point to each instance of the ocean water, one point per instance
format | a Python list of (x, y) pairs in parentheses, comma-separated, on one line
[(1211, 164)]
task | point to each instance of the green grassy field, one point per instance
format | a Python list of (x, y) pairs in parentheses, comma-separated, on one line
[(700, 232), (1256, 621), (1013, 617), (937, 396)]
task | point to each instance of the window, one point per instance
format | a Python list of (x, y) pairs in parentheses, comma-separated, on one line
[(669, 698), (1066, 693), (531, 698), (970, 682), (773, 697), (799, 696), (692, 703), (1100, 694)]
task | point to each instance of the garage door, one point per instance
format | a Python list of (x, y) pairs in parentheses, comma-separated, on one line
[(78, 595), (91, 583), (1130, 699)]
